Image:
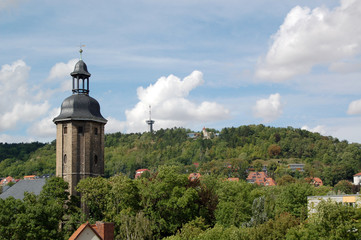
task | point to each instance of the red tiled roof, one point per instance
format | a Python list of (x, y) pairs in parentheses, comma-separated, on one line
[(194, 176), (139, 172), (77, 233), (7, 180), (358, 174), (270, 182), (29, 176), (318, 181), (260, 178), (315, 181)]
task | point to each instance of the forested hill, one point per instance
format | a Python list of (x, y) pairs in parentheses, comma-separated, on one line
[(243, 147), (18, 150)]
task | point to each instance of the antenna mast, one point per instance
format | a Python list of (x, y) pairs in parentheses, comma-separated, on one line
[(150, 122)]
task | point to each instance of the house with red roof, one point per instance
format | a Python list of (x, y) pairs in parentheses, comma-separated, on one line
[(260, 178), (315, 181), (194, 176), (357, 178), (7, 180), (139, 172), (30, 177), (97, 231)]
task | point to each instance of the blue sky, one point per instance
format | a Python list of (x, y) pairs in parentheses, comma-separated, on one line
[(198, 63)]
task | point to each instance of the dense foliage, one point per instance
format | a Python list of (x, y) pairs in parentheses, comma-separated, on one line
[(38, 159), (39, 217), (255, 145), (243, 147), (164, 203), (18, 150), (168, 205)]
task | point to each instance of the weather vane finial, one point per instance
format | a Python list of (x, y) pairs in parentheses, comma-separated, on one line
[(81, 51)]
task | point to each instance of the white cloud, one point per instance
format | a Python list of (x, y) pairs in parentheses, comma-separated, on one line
[(6, 4), (348, 129), (354, 107), (5, 138), (45, 128), (170, 107), (113, 125), (311, 37), (321, 129), (345, 67), (268, 108), (22, 112), (61, 70), (19, 103), (61, 73)]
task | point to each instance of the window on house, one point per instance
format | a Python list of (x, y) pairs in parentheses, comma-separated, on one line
[(80, 130), (65, 129), (95, 131)]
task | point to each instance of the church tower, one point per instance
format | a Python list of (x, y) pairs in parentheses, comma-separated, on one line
[(79, 133)]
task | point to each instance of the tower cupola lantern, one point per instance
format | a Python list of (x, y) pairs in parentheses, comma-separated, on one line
[(80, 77)]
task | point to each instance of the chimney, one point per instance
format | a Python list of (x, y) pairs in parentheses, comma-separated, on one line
[(105, 230)]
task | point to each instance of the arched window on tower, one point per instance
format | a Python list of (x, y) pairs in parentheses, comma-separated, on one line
[(64, 159)]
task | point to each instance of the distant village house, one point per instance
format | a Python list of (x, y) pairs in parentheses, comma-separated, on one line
[(139, 172), (260, 178), (97, 231)]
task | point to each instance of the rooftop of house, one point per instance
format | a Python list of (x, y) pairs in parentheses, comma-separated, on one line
[(17, 191), (139, 172), (194, 176), (30, 177), (85, 231), (315, 181), (7, 180), (260, 178), (97, 231)]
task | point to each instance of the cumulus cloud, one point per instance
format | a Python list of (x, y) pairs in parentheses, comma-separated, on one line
[(311, 37), (114, 125), (345, 67), (170, 106), (20, 103), (321, 129), (45, 128), (25, 112), (7, 4), (5, 138), (60, 72), (354, 107), (268, 108)]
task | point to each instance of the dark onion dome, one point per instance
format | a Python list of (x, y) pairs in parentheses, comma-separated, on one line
[(80, 107), (80, 69)]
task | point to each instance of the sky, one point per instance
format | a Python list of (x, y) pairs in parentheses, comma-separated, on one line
[(197, 63)]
